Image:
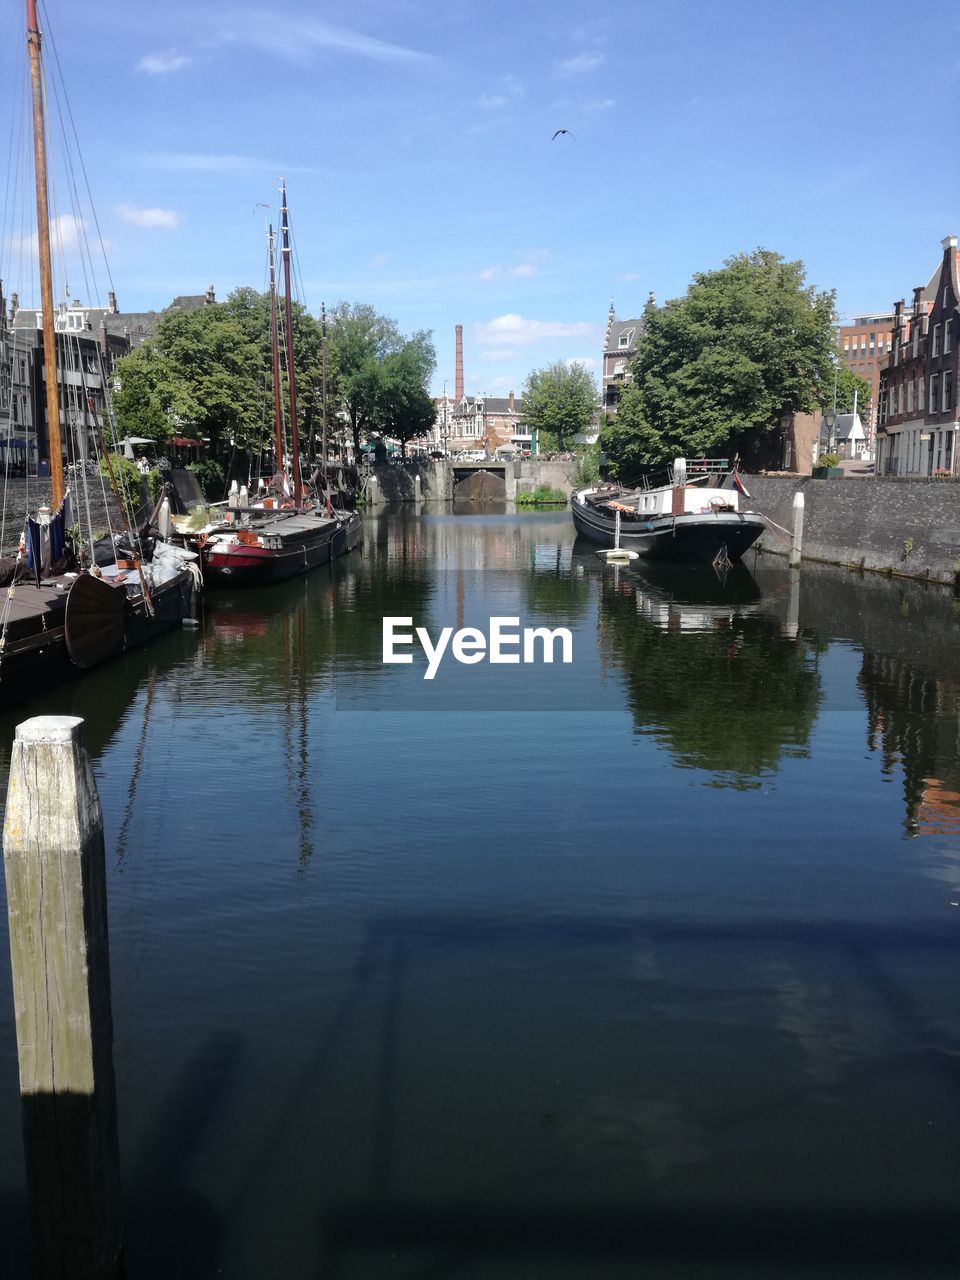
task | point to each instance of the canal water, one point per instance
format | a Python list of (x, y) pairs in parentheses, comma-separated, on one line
[(642, 964)]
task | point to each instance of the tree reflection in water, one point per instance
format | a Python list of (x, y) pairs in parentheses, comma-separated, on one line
[(712, 675)]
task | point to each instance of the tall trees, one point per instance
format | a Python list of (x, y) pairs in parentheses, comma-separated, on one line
[(360, 340), (209, 372), (560, 400), (715, 369), (406, 409)]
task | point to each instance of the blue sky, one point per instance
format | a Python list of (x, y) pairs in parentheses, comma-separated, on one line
[(415, 138)]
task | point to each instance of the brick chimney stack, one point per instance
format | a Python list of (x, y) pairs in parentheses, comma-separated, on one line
[(458, 385), (112, 302), (511, 402)]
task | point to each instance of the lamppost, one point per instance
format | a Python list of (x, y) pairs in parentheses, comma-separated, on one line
[(830, 423)]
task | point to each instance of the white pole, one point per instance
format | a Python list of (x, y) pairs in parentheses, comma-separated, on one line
[(616, 536), (797, 529)]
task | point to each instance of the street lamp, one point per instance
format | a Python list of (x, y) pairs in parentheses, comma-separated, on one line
[(830, 423)]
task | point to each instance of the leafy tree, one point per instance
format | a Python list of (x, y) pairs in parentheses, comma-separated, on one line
[(559, 400), (406, 409), (143, 399), (715, 369), (847, 382), (209, 372), (360, 339)]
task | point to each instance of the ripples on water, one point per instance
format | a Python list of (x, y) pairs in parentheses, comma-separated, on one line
[(531, 972)]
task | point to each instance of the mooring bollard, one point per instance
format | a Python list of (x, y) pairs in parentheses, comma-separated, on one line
[(797, 547), (55, 871)]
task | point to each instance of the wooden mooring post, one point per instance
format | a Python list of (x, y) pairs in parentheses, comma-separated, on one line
[(55, 871)]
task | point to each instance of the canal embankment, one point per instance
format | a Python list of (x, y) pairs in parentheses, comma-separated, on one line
[(902, 526)]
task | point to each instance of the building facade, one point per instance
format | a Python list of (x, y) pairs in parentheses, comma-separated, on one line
[(865, 343), (619, 348), (90, 341), (917, 419), (484, 422)]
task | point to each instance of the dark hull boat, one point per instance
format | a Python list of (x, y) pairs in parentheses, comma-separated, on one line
[(267, 548), (695, 518), (72, 622)]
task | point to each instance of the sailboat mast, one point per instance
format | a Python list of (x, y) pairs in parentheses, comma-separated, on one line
[(46, 269), (291, 375), (275, 353), (323, 314)]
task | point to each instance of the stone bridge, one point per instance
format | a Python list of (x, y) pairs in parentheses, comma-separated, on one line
[(442, 480)]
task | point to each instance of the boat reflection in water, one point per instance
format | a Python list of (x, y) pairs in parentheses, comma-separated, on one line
[(717, 673)]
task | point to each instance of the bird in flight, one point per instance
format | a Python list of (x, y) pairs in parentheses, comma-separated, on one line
[(558, 133)]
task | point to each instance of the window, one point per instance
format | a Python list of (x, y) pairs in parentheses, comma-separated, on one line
[(948, 390), (935, 349), (934, 392), (947, 336), (911, 391)]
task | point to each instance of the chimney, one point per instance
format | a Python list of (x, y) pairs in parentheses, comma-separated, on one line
[(112, 302), (948, 243), (458, 385), (511, 403), (210, 297)]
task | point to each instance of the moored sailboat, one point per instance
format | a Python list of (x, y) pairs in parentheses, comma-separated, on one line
[(62, 611), (293, 530)]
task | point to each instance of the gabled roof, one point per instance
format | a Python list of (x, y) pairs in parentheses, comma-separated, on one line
[(619, 327), (849, 427)]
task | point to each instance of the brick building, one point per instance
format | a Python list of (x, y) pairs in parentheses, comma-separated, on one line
[(865, 343), (917, 419), (485, 422)]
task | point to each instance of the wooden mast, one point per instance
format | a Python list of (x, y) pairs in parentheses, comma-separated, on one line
[(291, 375), (46, 271), (323, 314), (275, 352)]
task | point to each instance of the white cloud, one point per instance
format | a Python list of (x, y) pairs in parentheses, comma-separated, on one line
[(499, 384), (508, 89), (499, 355), (521, 271), (297, 39), (159, 64), (579, 63), (627, 276), (148, 217), (519, 331), (66, 232), (589, 362), (379, 261)]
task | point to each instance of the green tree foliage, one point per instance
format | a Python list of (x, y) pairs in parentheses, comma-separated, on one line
[(559, 400), (360, 339), (406, 409), (847, 382), (208, 373), (715, 369)]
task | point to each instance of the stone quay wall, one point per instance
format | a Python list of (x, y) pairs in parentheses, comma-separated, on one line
[(909, 526)]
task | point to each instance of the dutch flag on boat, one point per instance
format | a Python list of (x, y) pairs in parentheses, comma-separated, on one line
[(740, 485)]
